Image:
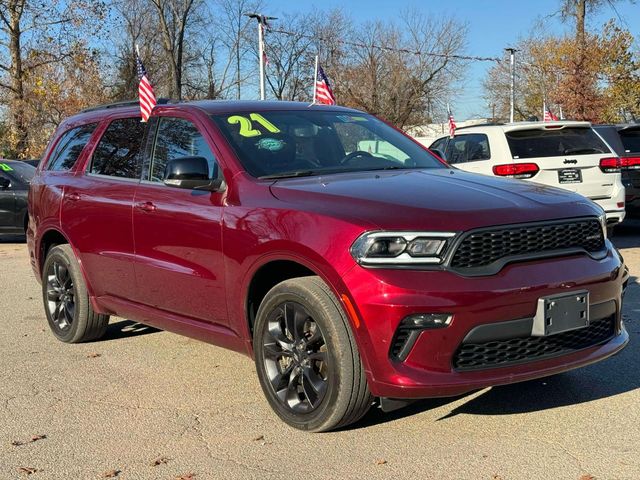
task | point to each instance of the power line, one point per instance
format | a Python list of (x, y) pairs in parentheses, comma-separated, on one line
[(389, 49)]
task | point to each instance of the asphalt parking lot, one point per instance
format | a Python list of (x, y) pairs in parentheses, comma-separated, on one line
[(147, 404)]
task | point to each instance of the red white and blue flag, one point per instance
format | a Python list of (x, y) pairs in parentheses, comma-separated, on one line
[(548, 115), (145, 91), (323, 93), (452, 123)]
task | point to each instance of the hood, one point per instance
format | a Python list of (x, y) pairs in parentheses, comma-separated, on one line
[(438, 199)]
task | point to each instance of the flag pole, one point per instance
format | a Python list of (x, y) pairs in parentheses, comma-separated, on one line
[(315, 81), (261, 55)]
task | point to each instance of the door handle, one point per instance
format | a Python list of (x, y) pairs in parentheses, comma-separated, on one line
[(146, 206), (73, 196)]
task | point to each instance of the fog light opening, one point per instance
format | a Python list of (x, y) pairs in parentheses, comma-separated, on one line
[(410, 328)]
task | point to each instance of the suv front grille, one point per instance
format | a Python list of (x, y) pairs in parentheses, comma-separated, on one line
[(497, 353), (485, 247)]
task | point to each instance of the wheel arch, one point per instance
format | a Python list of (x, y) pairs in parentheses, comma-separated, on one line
[(267, 271), (49, 239)]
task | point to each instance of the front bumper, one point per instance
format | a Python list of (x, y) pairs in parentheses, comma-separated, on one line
[(383, 297)]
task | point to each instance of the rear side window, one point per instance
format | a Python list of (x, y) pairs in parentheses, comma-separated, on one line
[(70, 147), (470, 147), (631, 140), (118, 152), (554, 143), (178, 138)]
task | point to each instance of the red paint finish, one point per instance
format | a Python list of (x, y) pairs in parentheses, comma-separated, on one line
[(184, 260)]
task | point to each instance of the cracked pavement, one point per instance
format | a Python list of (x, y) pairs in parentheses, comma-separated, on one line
[(141, 394)]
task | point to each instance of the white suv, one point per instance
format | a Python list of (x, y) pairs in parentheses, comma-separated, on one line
[(565, 154)]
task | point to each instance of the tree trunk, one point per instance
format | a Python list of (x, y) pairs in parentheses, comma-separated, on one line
[(17, 79), (581, 11)]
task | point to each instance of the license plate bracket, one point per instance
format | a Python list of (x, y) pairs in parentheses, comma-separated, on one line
[(570, 175), (561, 313)]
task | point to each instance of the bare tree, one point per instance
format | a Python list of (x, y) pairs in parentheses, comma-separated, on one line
[(175, 18)]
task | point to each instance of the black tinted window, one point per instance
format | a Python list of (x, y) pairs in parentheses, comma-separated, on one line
[(70, 147), (468, 148), (118, 152), (439, 145), (631, 140), (178, 138), (554, 143), (19, 172)]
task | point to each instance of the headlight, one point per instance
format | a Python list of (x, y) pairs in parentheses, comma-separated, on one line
[(400, 248)]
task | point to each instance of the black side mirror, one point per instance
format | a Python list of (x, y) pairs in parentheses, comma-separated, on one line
[(440, 153), (190, 173), (4, 183)]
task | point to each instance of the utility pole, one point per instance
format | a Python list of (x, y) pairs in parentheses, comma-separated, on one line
[(512, 63), (262, 24)]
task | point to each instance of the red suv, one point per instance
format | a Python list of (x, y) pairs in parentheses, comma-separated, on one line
[(341, 255)]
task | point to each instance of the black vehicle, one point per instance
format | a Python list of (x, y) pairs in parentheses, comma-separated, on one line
[(32, 162), (625, 141), (14, 185)]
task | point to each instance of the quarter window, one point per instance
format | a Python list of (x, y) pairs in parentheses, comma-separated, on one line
[(118, 153), (178, 138), (70, 147), (469, 147)]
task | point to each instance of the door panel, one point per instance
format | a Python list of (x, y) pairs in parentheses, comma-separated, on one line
[(178, 240), (96, 213), (177, 232), (7, 209)]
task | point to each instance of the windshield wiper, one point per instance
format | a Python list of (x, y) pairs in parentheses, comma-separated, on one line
[(582, 150), (295, 173)]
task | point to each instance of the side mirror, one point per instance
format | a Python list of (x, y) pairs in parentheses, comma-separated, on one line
[(190, 173), (439, 153), (4, 183)]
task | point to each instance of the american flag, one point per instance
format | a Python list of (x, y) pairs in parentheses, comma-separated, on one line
[(145, 90), (452, 123), (323, 93), (548, 115)]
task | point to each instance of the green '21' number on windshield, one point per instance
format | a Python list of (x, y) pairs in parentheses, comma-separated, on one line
[(246, 128)]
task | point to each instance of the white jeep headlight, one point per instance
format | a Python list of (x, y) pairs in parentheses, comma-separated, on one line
[(401, 248)]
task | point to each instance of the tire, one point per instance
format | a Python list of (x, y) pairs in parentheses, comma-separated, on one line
[(325, 387), (610, 231), (66, 301)]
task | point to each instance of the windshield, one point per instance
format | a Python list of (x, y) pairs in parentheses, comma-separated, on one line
[(20, 171), (554, 143), (299, 143)]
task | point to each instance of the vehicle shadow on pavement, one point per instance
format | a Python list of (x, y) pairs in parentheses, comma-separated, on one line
[(13, 239), (126, 329), (625, 235)]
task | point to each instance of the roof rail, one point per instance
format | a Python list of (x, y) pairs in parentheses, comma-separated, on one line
[(487, 124), (127, 103)]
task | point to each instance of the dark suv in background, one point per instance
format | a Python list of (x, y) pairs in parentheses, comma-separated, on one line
[(14, 185), (339, 253), (625, 141)]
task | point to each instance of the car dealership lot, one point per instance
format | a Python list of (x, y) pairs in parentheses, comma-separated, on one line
[(148, 404)]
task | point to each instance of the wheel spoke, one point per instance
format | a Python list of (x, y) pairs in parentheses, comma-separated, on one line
[(272, 352), (61, 273), (290, 321), (52, 295), (318, 356), (282, 379), (313, 386), (69, 309)]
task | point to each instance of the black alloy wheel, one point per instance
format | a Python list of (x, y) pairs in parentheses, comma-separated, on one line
[(61, 295), (295, 357)]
